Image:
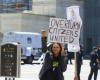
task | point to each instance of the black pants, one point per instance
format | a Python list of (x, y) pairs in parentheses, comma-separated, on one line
[(69, 59), (95, 71), (78, 71)]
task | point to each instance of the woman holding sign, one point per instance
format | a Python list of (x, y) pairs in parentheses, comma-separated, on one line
[(55, 63)]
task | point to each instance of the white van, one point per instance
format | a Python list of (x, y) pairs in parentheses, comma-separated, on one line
[(26, 40)]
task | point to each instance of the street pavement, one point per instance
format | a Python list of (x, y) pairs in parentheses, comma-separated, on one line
[(30, 72)]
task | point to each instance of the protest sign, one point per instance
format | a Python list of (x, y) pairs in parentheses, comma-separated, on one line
[(73, 13), (62, 30)]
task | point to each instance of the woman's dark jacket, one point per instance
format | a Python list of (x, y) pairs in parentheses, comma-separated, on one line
[(44, 44), (48, 65)]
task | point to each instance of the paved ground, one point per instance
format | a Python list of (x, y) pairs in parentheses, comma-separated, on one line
[(85, 70), (30, 72)]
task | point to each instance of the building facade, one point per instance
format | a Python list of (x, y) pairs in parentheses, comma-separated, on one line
[(91, 24), (11, 1), (43, 10), (46, 9)]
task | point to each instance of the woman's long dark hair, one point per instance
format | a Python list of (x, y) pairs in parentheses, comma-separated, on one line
[(51, 47)]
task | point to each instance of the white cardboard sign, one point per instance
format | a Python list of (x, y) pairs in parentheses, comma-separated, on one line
[(62, 30), (73, 48)]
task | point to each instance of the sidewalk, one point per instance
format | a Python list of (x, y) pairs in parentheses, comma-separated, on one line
[(85, 70), (30, 72)]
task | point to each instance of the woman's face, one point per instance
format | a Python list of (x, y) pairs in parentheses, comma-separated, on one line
[(56, 49)]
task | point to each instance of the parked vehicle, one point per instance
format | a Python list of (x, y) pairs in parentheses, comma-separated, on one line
[(30, 43)]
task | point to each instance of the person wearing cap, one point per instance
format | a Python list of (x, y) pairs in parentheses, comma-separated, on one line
[(80, 55), (55, 62), (94, 61)]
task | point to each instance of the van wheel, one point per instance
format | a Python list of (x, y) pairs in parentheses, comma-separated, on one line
[(29, 60)]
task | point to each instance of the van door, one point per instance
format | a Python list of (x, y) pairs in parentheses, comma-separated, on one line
[(12, 38), (9, 38)]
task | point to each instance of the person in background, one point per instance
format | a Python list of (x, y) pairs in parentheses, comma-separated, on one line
[(44, 41), (80, 55), (94, 61), (28, 54), (98, 51), (44, 44), (55, 62), (69, 54)]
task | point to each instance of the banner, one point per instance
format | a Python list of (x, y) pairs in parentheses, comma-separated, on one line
[(62, 30)]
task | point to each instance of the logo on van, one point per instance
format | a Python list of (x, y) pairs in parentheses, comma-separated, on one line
[(29, 40)]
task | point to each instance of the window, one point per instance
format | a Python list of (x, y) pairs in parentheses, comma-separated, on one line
[(15, 6)]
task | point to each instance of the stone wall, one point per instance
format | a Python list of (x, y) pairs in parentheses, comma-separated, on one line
[(44, 7), (1, 37), (24, 22), (35, 22), (10, 22)]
